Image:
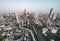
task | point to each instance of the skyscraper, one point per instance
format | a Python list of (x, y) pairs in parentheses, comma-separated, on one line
[(24, 17), (17, 17)]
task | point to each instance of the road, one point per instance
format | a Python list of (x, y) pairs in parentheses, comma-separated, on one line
[(36, 30), (29, 32)]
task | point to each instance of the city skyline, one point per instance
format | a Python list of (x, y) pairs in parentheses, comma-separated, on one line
[(30, 5)]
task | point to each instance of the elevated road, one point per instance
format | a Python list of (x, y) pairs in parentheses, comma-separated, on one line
[(36, 30)]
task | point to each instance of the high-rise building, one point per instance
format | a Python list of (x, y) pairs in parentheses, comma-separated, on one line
[(36, 16), (48, 19), (24, 17), (50, 14), (54, 16), (17, 17)]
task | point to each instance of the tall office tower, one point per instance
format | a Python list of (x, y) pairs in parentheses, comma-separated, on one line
[(50, 14), (24, 16), (48, 20), (17, 17), (54, 16)]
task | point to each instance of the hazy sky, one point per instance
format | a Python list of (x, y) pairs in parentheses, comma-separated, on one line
[(30, 5)]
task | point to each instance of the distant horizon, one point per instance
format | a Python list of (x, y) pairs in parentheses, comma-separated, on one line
[(37, 11), (42, 6)]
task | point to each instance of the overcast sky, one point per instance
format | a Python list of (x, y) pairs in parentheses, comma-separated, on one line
[(30, 5)]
